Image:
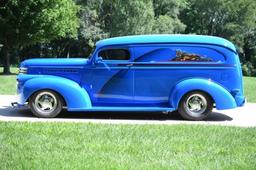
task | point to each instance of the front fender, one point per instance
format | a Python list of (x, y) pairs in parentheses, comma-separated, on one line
[(222, 98), (73, 94)]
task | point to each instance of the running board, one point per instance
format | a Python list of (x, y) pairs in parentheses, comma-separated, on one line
[(140, 109)]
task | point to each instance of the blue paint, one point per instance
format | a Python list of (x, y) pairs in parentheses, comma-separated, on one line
[(152, 80), (158, 39)]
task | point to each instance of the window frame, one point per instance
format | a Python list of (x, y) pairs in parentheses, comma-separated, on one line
[(113, 48)]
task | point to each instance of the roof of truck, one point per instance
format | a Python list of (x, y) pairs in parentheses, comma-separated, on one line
[(166, 38)]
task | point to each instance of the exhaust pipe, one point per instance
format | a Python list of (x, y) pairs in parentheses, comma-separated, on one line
[(15, 104)]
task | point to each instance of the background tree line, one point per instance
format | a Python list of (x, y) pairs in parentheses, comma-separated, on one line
[(70, 28)]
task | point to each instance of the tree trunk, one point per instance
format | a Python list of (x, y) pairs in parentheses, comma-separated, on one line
[(6, 62), (68, 51), (247, 50)]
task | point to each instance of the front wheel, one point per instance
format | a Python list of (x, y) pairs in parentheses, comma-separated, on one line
[(46, 104), (195, 105)]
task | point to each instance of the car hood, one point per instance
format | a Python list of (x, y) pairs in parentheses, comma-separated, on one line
[(54, 62)]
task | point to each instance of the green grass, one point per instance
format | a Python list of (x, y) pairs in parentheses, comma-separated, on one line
[(250, 89), (8, 85), (98, 146), (8, 82)]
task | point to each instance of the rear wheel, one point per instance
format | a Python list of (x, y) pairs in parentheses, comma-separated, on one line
[(195, 105), (46, 104)]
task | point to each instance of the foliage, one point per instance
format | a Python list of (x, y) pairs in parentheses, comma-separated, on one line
[(141, 17), (234, 20), (91, 28), (101, 19), (165, 24), (248, 69), (128, 17), (167, 16), (28, 22)]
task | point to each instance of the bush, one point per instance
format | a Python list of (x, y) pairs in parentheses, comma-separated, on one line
[(248, 69)]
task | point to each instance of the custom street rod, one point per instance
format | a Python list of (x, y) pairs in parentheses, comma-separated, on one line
[(188, 73)]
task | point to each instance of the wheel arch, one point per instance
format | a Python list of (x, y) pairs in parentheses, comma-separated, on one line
[(72, 93), (220, 96)]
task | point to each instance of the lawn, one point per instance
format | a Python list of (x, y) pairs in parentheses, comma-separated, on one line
[(8, 85), (8, 82), (98, 146), (250, 89)]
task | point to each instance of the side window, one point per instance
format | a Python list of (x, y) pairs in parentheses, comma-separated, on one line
[(114, 54), (188, 56), (178, 54)]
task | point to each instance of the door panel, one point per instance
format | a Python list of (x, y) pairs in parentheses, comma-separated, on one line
[(112, 83), (152, 86)]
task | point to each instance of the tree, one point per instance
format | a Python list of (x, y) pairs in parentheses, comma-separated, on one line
[(102, 19), (91, 25), (123, 17), (28, 22), (167, 16), (233, 20), (225, 18)]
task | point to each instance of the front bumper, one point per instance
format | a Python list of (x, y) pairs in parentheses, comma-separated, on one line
[(240, 101), (21, 100)]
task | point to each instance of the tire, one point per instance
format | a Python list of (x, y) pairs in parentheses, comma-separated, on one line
[(195, 105), (46, 104)]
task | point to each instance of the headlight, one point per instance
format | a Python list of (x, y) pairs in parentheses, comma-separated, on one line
[(23, 70)]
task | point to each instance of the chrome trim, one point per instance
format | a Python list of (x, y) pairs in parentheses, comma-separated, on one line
[(196, 105), (45, 102), (23, 70)]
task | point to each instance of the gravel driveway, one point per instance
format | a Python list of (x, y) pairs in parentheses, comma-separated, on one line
[(242, 117)]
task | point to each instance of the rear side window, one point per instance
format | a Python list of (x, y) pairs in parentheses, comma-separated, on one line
[(187, 56), (114, 54), (178, 54)]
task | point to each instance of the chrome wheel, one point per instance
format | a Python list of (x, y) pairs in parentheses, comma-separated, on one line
[(45, 102), (196, 105)]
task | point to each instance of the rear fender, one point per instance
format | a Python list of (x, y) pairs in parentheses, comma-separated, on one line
[(73, 94), (222, 98)]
